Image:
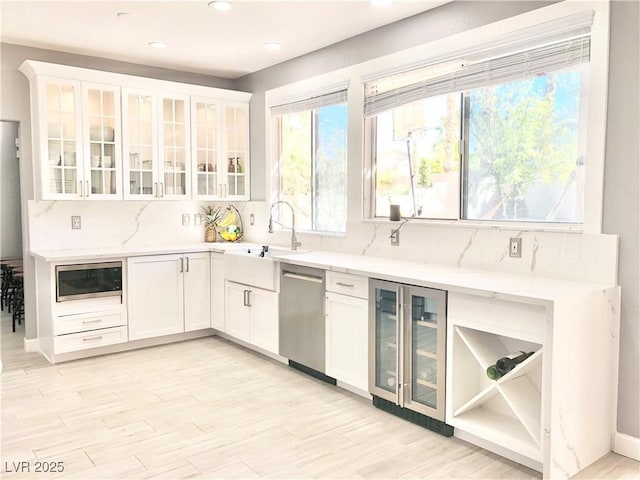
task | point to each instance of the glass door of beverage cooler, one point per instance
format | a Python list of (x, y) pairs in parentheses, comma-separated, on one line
[(424, 341), (384, 328)]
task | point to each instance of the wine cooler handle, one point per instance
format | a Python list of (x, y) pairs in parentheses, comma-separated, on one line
[(399, 349)]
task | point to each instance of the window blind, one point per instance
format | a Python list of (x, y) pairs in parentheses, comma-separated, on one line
[(455, 76), (311, 103)]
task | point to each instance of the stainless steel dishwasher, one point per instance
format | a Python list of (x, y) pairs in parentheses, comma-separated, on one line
[(302, 321)]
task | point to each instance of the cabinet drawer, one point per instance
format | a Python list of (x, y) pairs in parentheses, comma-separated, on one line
[(521, 320), (88, 321), (347, 284), (82, 341)]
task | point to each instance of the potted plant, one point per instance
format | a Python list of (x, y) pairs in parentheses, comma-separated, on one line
[(211, 216)]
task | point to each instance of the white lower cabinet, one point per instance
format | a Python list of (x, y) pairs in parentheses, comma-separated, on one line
[(252, 315), (346, 333), (83, 331), (168, 294)]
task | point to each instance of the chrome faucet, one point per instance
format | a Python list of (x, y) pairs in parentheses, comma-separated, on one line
[(294, 240)]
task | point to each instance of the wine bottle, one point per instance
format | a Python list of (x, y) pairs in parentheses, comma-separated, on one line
[(506, 364)]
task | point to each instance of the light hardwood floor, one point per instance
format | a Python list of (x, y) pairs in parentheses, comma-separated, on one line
[(208, 408)]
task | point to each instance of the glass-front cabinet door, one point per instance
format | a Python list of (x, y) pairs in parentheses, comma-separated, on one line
[(63, 174), (220, 156), (140, 145), (205, 126), (102, 145), (236, 148), (174, 147), (383, 336), (424, 340)]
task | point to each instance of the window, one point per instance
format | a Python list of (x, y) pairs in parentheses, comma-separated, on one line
[(484, 139), (311, 149)]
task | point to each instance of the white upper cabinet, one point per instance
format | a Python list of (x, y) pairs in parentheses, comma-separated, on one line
[(140, 119), (220, 156), (60, 141), (78, 159), (175, 151), (102, 142), (100, 135)]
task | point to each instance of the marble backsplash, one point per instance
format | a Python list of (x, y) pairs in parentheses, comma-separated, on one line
[(563, 255)]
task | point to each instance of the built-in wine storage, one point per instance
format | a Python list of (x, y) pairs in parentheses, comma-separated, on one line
[(506, 412)]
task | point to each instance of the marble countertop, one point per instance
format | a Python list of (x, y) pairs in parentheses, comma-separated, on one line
[(477, 282), (104, 253)]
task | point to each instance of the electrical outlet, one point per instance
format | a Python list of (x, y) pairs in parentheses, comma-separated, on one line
[(185, 219), (515, 247), (395, 237), (76, 223), (252, 219)]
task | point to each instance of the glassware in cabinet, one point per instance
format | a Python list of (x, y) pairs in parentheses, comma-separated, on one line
[(139, 144), (236, 128), (61, 163), (174, 146), (103, 158), (206, 144)]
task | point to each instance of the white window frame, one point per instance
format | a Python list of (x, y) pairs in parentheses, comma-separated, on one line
[(508, 30), (315, 87)]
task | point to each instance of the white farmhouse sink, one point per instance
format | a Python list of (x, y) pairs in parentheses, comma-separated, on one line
[(245, 265)]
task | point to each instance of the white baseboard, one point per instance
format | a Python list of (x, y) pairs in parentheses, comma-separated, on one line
[(627, 445), (31, 344)]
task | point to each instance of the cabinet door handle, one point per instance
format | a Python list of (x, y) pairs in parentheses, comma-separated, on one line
[(248, 298), (219, 190), (187, 264), (181, 265), (161, 189), (349, 285), (88, 190), (87, 322), (89, 339), (156, 192), (244, 298), (81, 189)]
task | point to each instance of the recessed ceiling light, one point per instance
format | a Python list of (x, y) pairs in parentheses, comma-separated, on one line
[(272, 46), (157, 44), (220, 6)]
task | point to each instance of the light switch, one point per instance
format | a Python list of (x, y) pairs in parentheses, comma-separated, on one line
[(186, 219)]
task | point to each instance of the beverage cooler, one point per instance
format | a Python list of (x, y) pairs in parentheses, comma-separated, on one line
[(407, 330)]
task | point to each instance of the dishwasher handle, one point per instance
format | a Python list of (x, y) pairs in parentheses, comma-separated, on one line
[(299, 276)]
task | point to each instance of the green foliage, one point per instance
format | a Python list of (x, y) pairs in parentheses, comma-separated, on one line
[(516, 140)]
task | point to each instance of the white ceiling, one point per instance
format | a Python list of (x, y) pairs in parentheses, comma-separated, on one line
[(199, 38)]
